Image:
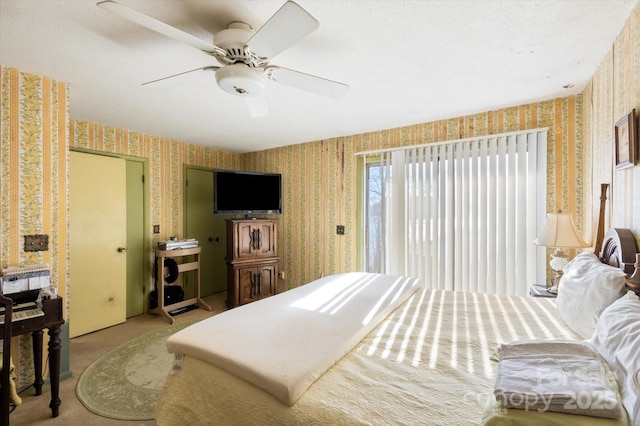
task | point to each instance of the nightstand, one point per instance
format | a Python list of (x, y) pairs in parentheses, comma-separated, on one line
[(540, 290)]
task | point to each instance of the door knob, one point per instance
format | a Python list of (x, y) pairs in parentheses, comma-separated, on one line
[(121, 249)]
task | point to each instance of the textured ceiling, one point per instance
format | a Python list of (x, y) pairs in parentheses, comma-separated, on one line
[(407, 62)]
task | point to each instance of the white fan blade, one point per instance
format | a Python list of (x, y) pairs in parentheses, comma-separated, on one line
[(158, 26), (181, 78), (308, 82), (288, 25), (257, 105)]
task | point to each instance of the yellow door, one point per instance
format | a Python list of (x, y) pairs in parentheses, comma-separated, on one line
[(97, 256)]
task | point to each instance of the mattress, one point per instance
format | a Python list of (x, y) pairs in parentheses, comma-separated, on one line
[(284, 343), (428, 362)]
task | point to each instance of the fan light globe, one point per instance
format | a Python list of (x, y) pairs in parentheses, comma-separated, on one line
[(240, 80)]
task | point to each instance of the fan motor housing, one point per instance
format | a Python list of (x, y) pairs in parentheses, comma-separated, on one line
[(241, 80), (236, 33), (233, 40)]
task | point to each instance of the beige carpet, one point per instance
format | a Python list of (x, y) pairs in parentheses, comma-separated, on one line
[(84, 351)]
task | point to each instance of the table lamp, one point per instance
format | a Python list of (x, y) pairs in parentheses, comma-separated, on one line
[(559, 232)]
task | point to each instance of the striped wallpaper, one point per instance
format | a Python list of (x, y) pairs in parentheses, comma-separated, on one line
[(612, 93), (33, 169), (33, 180), (320, 189), (319, 177)]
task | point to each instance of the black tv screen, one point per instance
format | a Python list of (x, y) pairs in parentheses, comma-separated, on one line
[(246, 192)]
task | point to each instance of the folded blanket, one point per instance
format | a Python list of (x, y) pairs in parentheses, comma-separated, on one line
[(567, 377), (282, 344)]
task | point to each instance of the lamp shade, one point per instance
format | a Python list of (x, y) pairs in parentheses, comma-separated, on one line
[(560, 231)]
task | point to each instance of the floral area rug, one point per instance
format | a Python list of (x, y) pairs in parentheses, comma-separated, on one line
[(124, 383)]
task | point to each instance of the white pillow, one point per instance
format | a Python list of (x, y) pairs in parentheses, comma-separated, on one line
[(635, 384), (617, 339), (587, 287)]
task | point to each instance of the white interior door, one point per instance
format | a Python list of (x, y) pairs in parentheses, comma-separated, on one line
[(97, 227)]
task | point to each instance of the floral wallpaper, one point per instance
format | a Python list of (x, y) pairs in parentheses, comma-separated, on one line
[(33, 179), (320, 178), (321, 191), (612, 93), (33, 169)]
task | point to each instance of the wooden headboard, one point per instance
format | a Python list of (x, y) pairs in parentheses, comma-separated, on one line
[(619, 249)]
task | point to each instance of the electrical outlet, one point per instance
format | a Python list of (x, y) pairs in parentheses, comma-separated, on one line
[(340, 229), (37, 242), (156, 229), (281, 275)]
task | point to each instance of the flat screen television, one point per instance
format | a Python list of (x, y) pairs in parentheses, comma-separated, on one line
[(247, 193)]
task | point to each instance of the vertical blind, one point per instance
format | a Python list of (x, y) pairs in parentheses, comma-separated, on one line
[(463, 215)]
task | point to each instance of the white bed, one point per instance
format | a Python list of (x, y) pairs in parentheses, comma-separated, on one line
[(428, 361)]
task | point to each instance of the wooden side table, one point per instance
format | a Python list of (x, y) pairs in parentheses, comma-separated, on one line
[(51, 320)]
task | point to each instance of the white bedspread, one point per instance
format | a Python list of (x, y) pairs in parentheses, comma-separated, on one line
[(426, 363), (284, 343)]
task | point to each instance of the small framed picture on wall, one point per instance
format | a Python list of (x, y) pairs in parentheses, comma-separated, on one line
[(626, 141)]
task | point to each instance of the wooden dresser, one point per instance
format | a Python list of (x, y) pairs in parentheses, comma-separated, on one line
[(252, 260)]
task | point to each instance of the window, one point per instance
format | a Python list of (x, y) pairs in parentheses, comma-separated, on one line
[(460, 215), (374, 236)]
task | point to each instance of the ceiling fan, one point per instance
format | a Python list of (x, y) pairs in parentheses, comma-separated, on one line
[(244, 54)]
